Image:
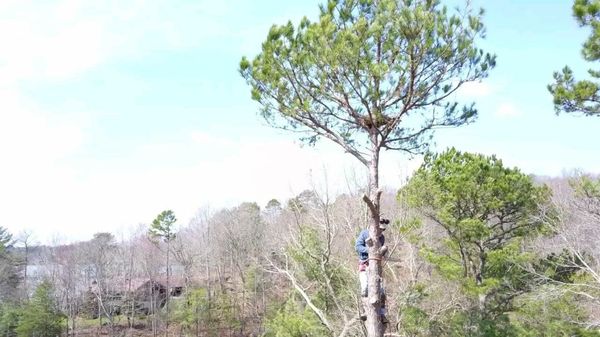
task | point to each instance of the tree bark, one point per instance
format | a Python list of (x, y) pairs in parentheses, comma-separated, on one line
[(168, 289), (373, 304)]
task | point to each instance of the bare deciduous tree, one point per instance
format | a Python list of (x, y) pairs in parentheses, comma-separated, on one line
[(577, 232)]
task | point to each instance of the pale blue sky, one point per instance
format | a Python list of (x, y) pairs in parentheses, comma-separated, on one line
[(113, 111)]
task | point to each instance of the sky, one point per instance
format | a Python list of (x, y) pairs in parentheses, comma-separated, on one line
[(113, 111)]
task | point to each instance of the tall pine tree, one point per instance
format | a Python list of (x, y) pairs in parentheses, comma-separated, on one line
[(370, 75)]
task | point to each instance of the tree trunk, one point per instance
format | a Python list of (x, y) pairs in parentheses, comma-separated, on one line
[(153, 307), (73, 322), (168, 291), (479, 279), (25, 276), (373, 304), (131, 314)]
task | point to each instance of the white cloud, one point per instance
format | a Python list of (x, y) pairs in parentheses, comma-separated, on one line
[(203, 138), (507, 110), (45, 44), (30, 136), (58, 40), (475, 89), (33, 146)]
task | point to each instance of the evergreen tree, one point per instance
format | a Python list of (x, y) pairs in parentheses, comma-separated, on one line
[(6, 240), (162, 228), (485, 210), (557, 315), (41, 317), (10, 316), (9, 268), (581, 96)]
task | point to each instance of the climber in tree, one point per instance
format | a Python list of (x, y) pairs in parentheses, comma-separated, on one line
[(362, 248)]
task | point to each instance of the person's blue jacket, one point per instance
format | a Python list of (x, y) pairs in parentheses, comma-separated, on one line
[(361, 244)]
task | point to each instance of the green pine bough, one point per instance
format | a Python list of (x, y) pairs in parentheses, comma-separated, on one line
[(581, 96)]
